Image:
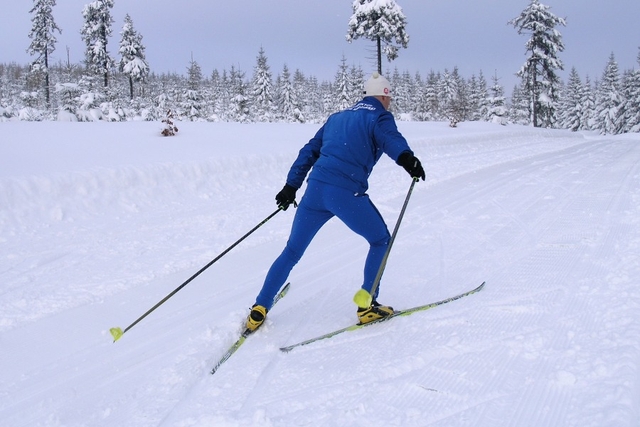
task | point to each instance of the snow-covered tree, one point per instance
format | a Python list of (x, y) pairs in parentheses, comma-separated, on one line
[(193, 104), (287, 98), (356, 83), (43, 39), (381, 21), (541, 83), (588, 106), (402, 84), (342, 87), (238, 99), (631, 107), (95, 33), (217, 90), (572, 109), (609, 99), (418, 100), (448, 97), (520, 107), (133, 63), (497, 111), (307, 96), (262, 107), (478, 97)]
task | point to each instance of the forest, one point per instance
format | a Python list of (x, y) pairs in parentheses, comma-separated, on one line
[(105, 88)]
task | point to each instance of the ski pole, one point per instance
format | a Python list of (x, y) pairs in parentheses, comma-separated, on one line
[(117, 332), (363, 298)]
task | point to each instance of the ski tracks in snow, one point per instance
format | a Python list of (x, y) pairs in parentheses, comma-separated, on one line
[(546, 250), (540, 231), (551, 220)]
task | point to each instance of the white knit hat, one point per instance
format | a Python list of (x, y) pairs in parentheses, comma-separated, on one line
[(377, 85)]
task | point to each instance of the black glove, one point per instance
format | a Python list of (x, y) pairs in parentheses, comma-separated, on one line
[(286, 196), (411, 164)]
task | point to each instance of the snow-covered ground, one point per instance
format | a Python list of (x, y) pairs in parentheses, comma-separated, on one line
[(99, 221)]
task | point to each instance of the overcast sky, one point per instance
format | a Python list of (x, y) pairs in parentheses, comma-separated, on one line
[(310, 35)]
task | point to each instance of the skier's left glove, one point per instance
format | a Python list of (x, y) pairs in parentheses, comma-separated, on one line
[(286, 196), (411, 164)]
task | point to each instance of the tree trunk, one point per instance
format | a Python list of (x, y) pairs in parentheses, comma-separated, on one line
[(46, 78), (534, 95), (131, 87), (379, 56)]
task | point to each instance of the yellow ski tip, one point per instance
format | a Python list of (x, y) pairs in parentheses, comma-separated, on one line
[(363, 299), (116, 333)]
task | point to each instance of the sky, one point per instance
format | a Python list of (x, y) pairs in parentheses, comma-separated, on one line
[(310, 35)]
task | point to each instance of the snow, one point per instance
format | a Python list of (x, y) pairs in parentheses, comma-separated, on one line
[(99, 221)]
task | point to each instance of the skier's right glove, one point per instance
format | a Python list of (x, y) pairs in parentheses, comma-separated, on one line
[(286, 196), (411, 164)]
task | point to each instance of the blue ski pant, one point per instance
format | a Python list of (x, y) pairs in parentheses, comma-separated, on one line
[(320, 203)]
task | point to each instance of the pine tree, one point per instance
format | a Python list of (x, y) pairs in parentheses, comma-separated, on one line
[(572, 108), (402, 90), (381, 21), (217, 95), (287, 98), (342, 87), (497, 110), (448, 97), (483, 94), (238, 99), (541, 83), (356, 84), (43, 40), (262, 90), (431, 96), (609, 99), (520, 109), (589, 106), (95, 33), (307, 95), (631, 106), (418, 100), (193, 104), (133, 63)]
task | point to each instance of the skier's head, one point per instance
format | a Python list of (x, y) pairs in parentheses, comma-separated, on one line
[(377, 85)]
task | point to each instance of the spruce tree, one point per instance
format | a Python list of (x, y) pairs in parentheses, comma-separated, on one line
[(541, 83), (133, 63), (356, 84), (262, 90), (192, 100), (609, 99), (43, 40), (483, 95), (572, 114), (238, 98), (342, 87), (307, 96), (520, 107), (381, 21), (497, 111), (287, 101), (589, 106), (431, 97), (95, 33), (631, 106)]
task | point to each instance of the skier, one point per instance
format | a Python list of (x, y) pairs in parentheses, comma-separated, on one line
[(342, 153)]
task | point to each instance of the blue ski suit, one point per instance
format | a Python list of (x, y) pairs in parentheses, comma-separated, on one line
[(342, 153)]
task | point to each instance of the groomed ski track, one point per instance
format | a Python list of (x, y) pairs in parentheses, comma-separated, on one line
[(550, 219)]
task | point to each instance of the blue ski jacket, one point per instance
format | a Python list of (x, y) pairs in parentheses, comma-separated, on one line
[(346, 148)]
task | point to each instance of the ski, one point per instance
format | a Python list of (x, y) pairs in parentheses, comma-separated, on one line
[(243, 336), (395, 314)]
